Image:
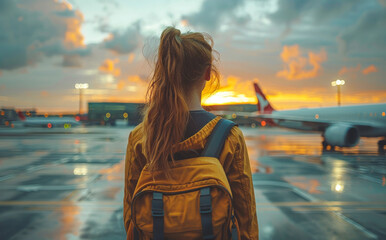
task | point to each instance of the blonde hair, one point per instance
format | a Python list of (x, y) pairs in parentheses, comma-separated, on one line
[(181, 61)]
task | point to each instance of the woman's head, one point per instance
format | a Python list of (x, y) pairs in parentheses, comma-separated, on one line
[(184, 62), (184, 59)]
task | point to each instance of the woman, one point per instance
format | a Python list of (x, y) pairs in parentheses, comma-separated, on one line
[(176, 122)]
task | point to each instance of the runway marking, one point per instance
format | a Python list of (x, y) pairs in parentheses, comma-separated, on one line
[(335, 209), (314, 200), (318, 203), (371, 179), (356, 225), (34, 168), (6, 177), (36, 203), (69, 196), (74, 208)]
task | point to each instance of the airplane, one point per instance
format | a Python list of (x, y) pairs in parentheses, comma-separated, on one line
[(340, 126), (45, 122)]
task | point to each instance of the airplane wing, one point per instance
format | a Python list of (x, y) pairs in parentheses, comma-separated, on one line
[(311, 124), (296, 122)]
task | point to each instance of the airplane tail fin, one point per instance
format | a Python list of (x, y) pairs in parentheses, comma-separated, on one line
[(21, 115), (263, 105)]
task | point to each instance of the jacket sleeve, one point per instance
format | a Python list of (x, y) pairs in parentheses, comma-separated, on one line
[(240, 179), (132, 173)]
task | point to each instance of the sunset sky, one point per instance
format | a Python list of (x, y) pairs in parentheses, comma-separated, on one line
[(293, 48)]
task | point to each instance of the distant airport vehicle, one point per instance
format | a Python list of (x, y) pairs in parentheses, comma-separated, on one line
[(340, 126), (45, 122)]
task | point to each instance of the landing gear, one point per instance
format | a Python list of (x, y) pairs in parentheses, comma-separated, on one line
[(324, 145), (381, 146), (327, 147)]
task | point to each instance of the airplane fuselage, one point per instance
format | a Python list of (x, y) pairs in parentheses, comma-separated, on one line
[(47, 122), (371, 114)]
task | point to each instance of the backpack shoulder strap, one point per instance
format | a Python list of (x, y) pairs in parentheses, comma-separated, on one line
[(217, 138)]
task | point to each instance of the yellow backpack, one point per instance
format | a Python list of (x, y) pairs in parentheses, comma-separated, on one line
[(195, 203)]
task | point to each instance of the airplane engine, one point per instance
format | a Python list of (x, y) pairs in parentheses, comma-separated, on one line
[(342, 135)]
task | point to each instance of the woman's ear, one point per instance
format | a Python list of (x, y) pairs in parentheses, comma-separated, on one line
[(208, 72)]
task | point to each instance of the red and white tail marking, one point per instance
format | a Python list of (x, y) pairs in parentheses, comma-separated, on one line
[(263, 105), (21, 115)]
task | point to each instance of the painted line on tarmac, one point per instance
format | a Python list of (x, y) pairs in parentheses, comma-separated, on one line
[(334, 209), (313, 199), (33, 188), (69, 196), (357, 225), (371, 179), (35, 168), (319, 203), (57, 203), (7, 177)]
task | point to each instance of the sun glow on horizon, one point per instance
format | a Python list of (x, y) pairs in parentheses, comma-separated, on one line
[(228, 97)]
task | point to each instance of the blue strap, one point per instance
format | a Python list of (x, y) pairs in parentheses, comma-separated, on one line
[(157, 211), (234, 233), (206, 213), (136, 234), (217, 138)]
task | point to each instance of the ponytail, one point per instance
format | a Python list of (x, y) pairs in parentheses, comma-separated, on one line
[(182, 59)]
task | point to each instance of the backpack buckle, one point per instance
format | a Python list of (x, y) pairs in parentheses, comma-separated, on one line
[(157, 208), (157, 213), (205, 201), (205, 209)]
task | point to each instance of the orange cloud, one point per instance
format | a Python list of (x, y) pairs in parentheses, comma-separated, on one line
[(108, 66), (44, 94), (131, 83), (131, 57), (297, 66), (345, 69), (73, 36), (370, 69)]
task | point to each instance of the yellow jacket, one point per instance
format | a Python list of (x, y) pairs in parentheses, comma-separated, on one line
[(234, 159)]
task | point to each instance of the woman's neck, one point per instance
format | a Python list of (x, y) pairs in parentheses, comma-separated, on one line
[(194, 101)]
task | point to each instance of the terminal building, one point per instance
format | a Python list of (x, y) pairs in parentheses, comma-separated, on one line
[(112, 113)]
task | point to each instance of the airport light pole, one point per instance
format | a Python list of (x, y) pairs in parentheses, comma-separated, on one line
[(338, 83), (81, 86)]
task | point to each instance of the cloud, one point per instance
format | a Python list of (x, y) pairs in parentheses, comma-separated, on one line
[(31, 30), (370, 69), (71, 61), (357, 69), (132, 83), (297, 66), (131, 57), (213, 12), (108, 66), (44, 94), (290, 12), (124, 42), (345, 69), (368, 33)]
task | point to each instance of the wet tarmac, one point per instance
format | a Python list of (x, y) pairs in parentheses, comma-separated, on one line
[(68, 184)]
